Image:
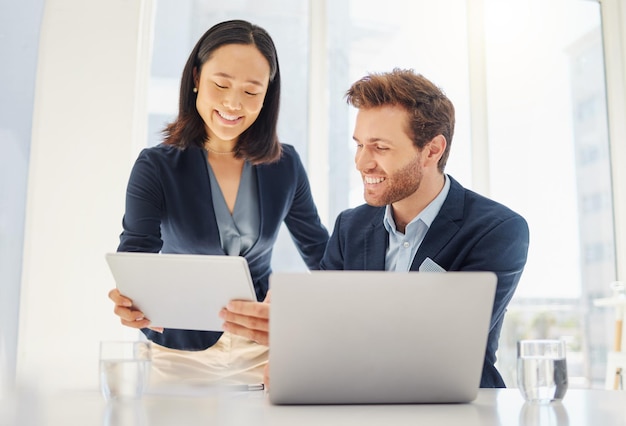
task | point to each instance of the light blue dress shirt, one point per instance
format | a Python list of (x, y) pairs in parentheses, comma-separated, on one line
[(403, 247)]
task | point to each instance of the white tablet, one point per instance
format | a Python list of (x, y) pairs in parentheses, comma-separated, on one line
[(181, 291)]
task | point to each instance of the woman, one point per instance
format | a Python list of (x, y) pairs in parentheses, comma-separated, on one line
[(220, 184)]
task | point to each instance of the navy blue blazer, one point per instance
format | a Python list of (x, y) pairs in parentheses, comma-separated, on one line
[(169, 209), (470, 233)]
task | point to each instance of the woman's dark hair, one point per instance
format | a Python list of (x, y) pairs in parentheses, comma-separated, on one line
[(259, 143)]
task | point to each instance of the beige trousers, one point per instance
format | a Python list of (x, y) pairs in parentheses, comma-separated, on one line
[(232, 360)]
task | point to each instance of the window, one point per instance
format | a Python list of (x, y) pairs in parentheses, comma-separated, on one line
[(547, 109), (363, 38)]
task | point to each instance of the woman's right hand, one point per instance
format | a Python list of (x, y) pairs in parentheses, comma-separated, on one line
[(129, 316)]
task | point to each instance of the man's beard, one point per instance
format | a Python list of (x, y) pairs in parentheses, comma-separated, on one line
[(401, 184)]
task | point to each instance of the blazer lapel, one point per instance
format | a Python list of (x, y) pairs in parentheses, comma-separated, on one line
[(375, 244), (214, 244), (445, 225)]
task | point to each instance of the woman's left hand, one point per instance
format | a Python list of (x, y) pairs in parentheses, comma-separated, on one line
[(248, 319)]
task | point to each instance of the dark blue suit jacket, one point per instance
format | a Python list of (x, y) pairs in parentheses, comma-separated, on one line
[(470, 233), (169, 208)]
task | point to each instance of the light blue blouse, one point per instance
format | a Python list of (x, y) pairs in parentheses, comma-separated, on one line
[(239, 231)]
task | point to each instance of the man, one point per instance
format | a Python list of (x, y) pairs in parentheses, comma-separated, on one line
[(416, 217)]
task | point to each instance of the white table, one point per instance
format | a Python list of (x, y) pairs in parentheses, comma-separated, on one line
[(492, 407)]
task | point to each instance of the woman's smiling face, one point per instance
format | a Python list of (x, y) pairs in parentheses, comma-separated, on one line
[(231, 89)]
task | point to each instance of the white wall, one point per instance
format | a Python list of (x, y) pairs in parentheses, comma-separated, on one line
[(19, 21), (84, 141), (614, 32)]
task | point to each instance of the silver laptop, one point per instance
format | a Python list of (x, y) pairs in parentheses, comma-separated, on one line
[(365, 337)]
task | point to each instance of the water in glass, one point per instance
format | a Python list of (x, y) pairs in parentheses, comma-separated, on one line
[(124, 378), (542, 370)]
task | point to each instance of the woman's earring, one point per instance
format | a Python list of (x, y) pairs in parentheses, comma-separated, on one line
[(195, 90)]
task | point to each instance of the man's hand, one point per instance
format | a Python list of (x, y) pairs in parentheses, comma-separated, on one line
[(266, 376)]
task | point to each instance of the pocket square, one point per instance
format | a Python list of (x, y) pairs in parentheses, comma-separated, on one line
[(429, 265)]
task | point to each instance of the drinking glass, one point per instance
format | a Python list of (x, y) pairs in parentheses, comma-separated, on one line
[(541, 370), (124, 369)]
